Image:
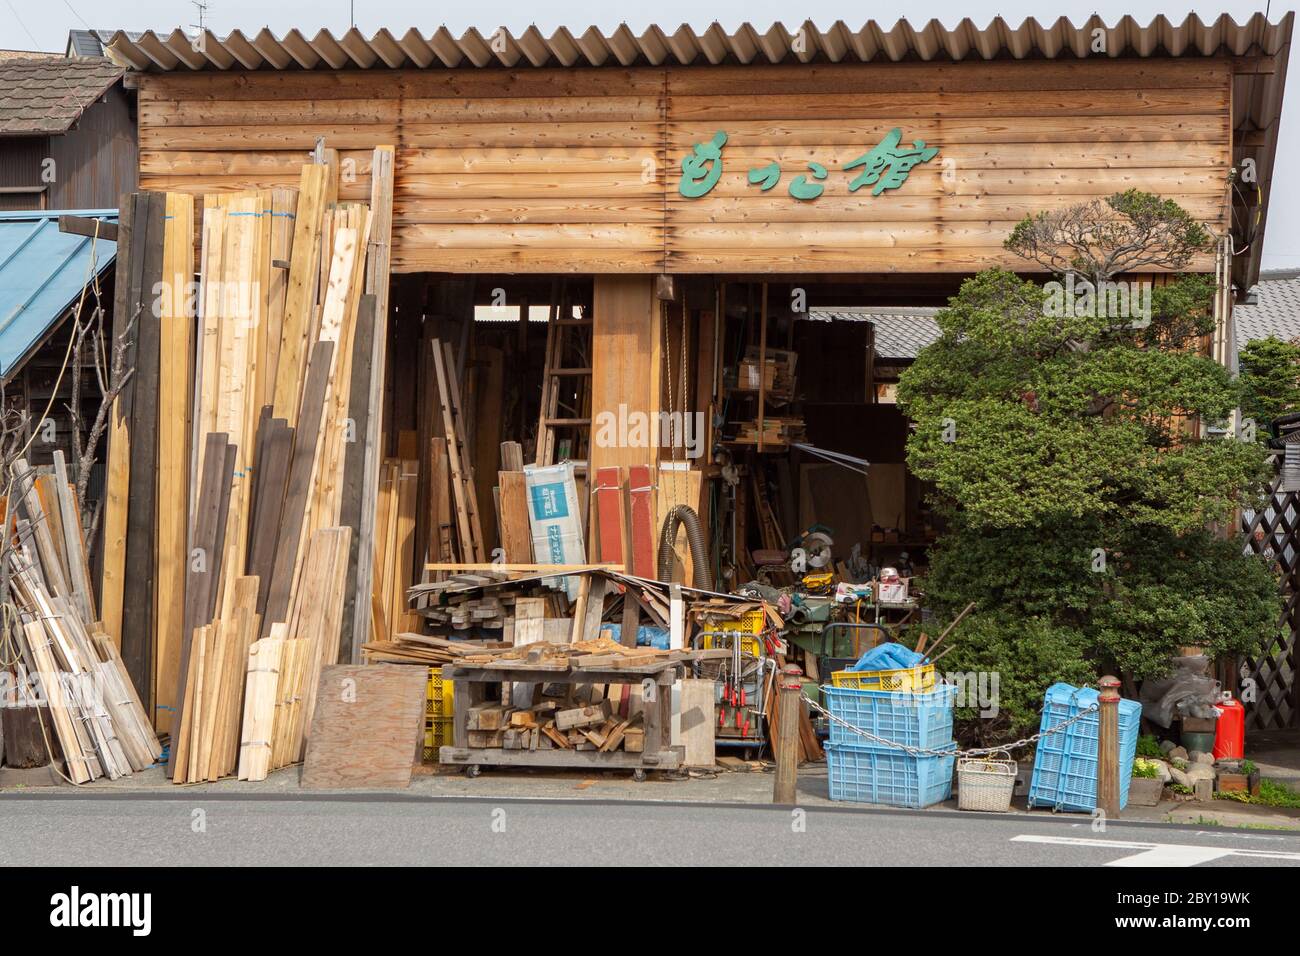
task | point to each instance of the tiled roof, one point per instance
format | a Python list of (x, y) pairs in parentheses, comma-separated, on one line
[(47, 95), (1277, 311), (25, 55), (901, 331), (42, 272)]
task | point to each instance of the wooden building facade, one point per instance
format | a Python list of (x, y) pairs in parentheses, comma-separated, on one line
[(681, 191), (579, 170)]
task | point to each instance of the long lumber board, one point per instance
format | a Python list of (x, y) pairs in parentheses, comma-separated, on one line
[(147, 240), (378, 264), (174, 394)]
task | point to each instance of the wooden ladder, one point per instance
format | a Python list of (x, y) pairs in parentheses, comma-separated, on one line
[(565, 335), (462, 464)]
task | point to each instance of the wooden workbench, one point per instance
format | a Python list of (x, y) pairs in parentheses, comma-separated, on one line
[(471, 682)]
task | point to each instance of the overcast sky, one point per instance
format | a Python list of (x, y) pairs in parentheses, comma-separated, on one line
[(44, 25)]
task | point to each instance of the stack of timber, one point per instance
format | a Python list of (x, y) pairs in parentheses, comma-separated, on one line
[(550, 724), (249, 500), (484, 599), (777, 432), (426, 649), (394, 546), (98, 723)]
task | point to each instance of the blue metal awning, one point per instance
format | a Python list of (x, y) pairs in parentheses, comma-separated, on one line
[(42, 273)]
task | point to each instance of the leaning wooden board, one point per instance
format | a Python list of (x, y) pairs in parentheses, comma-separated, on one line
[(368, 729)]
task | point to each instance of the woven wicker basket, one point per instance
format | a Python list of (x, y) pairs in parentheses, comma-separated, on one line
[(985, 783)]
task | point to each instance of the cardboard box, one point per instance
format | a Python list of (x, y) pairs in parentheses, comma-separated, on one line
[(555, 519)]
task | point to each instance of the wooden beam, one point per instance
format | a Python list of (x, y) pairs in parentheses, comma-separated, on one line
[(377, 281), (88, 226), (146, 255)]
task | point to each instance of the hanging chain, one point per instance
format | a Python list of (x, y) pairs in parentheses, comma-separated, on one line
[(976, 752)]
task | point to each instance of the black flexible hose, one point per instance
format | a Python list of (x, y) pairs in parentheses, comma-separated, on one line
[(678, 516)]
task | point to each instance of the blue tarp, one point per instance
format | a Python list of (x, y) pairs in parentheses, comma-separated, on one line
[(646, 635), (42, 273), (889, 656)]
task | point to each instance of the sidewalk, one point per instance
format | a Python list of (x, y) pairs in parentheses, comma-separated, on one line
[(724, 786)]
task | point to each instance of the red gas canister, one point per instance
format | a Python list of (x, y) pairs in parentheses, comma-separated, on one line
[(1230, 729)]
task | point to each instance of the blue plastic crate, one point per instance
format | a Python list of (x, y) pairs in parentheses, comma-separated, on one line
[(918, 720), (890, 777), (1065, 766)]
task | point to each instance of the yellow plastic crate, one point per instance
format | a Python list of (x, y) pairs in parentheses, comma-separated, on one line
[(437, 733), (439, 701), (752, 622), (907, 679), (748, 645)]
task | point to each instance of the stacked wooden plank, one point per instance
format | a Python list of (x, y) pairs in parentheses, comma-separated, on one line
[(484, 599), (249, 499), (99, 723), (207, 744), (410, 648), (394, 546), (550, 724)]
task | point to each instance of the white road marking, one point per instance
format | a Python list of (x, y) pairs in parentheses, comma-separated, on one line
[(1158, 854)]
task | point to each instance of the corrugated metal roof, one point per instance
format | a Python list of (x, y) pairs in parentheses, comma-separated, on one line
[(1256, 94), (42, 273), (900, 331), (656, 46)]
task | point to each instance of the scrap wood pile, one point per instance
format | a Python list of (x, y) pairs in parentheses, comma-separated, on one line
[(97, 721), (599, 654), (485, 599), (604, 726), (239, 463)]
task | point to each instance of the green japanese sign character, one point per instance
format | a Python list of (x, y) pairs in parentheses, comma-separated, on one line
[(765, 177), (887, 166), (804, 190), (702, 169)]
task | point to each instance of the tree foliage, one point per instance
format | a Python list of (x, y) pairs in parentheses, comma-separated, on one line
[(1270, 380), (1128, 232), (1067, 457)]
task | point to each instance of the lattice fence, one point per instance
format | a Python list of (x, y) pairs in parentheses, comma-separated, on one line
[(1270, 677)]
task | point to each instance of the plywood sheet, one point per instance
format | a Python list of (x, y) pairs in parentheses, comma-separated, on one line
[(368, 727), (698, 719)]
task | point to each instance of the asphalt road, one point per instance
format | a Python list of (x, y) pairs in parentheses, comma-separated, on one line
[(133, 830)]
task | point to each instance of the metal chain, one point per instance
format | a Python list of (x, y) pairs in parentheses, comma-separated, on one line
[(976, 752)]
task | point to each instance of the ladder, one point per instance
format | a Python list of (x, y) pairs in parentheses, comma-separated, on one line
[(564, 425), (462, 464)]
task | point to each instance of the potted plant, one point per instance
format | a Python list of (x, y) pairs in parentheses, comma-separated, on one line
[(1230, 781), (1249, 768), (1145, 787)]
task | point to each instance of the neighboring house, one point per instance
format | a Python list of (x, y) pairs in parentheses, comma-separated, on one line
[(92, 42), (67, 133), (67, 147), (1271, 308), (42, 274), (898, 333)]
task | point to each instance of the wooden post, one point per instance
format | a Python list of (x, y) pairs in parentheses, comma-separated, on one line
[(20, 729), (676, 642), (1108, 747), (787, 739)]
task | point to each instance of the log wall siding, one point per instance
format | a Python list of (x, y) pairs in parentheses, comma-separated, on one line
[(577, 170)]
